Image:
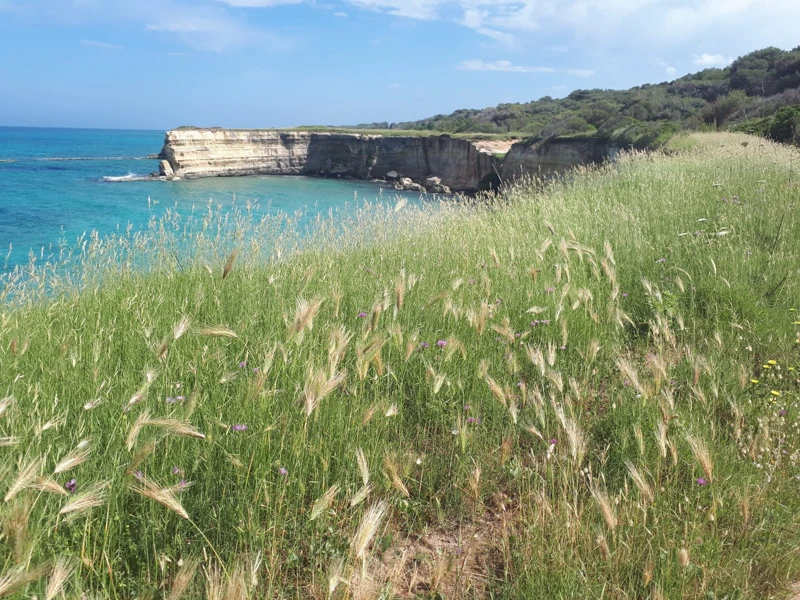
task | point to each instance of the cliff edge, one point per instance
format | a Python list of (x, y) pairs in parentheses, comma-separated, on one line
[(458, 163)]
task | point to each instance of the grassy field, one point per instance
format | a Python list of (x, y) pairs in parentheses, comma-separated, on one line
[(578, 389)]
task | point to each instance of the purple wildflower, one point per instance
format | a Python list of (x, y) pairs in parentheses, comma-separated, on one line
[(441, 343), (176, 470), (283, 471), (782, 413), (702, 481), (182, 483), (362, 315), (239, 427), (550, 290), (471, 420), (424, 345), (467, 407), (624, 294), (255, 370), (546, 322), (243, 364), (71, 486), (139, 475), (553, 442)]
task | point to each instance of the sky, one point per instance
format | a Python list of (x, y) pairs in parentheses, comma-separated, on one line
[(158, 64)]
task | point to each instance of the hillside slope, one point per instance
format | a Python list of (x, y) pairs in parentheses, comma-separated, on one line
[(582, 388), (749, 94)]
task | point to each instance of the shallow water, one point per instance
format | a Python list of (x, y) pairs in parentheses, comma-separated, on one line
[(57, 184)]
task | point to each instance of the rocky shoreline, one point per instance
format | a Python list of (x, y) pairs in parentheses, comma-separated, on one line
[(425, 164)]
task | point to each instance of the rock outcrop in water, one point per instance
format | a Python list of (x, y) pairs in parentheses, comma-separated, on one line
[(458, 163)]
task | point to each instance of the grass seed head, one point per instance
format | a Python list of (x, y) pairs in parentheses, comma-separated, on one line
[(370, 523), (62, 572)]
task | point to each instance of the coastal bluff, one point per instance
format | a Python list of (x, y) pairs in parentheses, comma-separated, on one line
[(459, 164), (434, 163)]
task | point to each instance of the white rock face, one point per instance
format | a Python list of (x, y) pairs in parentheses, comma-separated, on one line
[(218, 153)]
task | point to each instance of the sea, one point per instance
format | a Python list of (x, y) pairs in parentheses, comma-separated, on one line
[(58, 184)]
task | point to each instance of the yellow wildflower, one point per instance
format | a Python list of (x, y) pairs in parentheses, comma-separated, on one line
[(791, 368), (754, 381), (765, 367), (772, 362), (776, 393), (796, 323)]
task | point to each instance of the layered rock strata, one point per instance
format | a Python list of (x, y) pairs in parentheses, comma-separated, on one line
[(458, 164), (553, 157)]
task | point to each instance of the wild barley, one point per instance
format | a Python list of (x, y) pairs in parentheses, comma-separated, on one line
[(76, 457), (5, 403), (701, 455), (337, 347), (236, 586), (174, 427), (62, 571), (164, 496), (360, 495), (363, 466), (575, 437), (497, 391), (143, 452), (303, 318), (536, 357), (557, 380), (394, 475), (181, 327), (15, 528), (661, 438), (86, 501), (324, 502), (683, 557), (335, 575), (217, 331), (214, 583), (645, 490), (317, 386), (602, 544), (606, 508), (475, 482), (46, 484), (183, 578), (629, 372), (226, 270), (513, 411), (27, 474), (370, 523), (17, 578), (9, 441)]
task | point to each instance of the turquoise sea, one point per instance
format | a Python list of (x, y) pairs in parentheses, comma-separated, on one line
[(57, 184)]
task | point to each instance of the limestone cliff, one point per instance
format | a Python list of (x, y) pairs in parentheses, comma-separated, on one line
[(190, 153), (554, 156)]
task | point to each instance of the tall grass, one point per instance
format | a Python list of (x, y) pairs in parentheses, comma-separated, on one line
[(582, 388)]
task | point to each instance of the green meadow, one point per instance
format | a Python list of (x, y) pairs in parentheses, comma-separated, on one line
[(583, 388)]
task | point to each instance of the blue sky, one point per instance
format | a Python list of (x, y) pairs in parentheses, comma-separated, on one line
[(157, 64)]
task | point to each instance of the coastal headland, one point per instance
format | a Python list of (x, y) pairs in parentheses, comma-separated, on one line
[(435, 163)]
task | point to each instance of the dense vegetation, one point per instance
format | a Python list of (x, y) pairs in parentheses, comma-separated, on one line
[(598, 396), (757, 92)]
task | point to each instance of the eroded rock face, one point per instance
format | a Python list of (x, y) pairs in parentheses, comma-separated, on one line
[(217, 152), (550, 157)]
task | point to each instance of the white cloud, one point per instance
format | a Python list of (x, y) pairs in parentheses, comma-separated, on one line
[(671, 71), (508, 67), (103, 45), (501, 65), (340, 14), (259, 3), (712, 60)]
